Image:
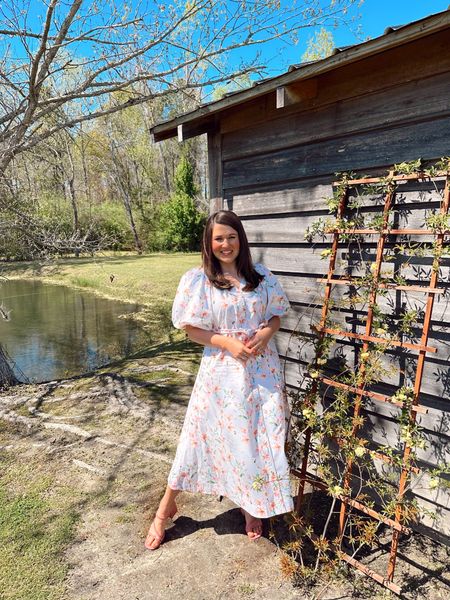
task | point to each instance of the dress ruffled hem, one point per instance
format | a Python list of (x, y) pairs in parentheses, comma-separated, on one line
[(278, 510)]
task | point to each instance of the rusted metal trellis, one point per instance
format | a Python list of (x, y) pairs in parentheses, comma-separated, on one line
[(358, 391)]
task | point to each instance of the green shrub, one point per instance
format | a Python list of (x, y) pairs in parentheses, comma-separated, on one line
[(183, 180), (181, 224), (109, 223)]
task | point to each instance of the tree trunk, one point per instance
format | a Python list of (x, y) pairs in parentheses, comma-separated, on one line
[(87, 188), (7, 377), (69, 188), (121, 176), (127, 204), (164, 168), (150, 121)]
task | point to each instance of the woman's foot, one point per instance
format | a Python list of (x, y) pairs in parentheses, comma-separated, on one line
[(253, 525), (157, 531)]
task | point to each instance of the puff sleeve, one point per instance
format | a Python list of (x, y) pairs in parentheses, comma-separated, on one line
[(277, 302), (192, 304)]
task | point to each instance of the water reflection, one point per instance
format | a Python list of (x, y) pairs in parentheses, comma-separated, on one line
[(56, 332)]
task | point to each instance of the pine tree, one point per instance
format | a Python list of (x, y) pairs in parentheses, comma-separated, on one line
[(184, 178), (180, 220)]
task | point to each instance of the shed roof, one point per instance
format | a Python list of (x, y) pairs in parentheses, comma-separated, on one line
[(203, 118)]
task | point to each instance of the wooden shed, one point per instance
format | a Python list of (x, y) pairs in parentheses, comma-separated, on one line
[(273, 153)]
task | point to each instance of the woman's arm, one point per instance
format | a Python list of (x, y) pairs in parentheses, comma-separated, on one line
[(235, 347), (262, 337)]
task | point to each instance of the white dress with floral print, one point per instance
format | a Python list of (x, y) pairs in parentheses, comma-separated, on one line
[(232, 441)]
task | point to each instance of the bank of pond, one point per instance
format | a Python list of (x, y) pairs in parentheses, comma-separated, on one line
[(52, 331)]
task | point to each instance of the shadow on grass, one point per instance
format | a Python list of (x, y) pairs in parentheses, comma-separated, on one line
[(172, 349), (174, 353)]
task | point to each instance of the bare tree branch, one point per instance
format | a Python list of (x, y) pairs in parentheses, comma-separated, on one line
[(85, 54)]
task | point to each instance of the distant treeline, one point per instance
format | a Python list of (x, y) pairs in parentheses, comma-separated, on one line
[(106, 186)]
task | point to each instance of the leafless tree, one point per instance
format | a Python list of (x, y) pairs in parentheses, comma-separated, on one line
[(65, 62), (61, 60)]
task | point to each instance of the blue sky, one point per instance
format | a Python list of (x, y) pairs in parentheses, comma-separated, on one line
[(379, 14), (376, 15)]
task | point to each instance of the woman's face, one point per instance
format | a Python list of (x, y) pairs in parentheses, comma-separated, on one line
[(225, 245)]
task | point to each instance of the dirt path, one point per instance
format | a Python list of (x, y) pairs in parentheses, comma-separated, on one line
[(110, 439)]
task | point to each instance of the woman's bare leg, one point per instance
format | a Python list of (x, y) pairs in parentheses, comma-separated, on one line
[(167, 508), (167, 504)]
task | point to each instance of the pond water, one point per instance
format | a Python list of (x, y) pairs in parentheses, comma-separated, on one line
[(55, 332)]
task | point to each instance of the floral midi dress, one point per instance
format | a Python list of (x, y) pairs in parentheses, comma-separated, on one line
[(232, 441)]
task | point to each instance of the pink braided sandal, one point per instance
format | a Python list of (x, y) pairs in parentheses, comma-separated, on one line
[(158, 539)]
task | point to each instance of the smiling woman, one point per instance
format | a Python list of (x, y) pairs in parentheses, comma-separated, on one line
[(226, 253), (225, 246), (232, 442)]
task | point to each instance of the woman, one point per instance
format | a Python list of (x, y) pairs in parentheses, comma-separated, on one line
[(232, 442)]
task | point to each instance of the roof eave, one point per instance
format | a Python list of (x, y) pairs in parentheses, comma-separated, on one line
[(202, 119)]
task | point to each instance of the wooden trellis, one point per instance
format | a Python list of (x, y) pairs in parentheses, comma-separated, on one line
[(358, 391)]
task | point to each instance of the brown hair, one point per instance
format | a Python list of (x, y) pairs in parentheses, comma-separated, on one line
[(244, 263)]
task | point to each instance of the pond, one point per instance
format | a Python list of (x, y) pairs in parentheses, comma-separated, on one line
[(55, 332)]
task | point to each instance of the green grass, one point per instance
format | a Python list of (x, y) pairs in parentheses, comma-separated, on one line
[(246, 590), (38, 516), (84, 282), (36, 524), (149, 280)]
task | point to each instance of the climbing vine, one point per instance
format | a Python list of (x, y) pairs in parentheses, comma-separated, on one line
[(338, 374)]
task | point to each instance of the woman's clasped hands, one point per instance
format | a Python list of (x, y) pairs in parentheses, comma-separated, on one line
[(239, 350), (259, 341)]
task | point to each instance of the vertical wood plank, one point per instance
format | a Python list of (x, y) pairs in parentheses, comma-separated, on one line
[(215, 170)]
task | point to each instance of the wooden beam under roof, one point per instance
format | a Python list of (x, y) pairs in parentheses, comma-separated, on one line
[(296, 92), (186, 130)]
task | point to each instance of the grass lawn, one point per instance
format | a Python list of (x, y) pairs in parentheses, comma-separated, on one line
[(37, 521), (38, 515), (150, 280)]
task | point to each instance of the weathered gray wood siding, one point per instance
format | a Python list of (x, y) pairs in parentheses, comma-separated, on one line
[(275, 175)]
